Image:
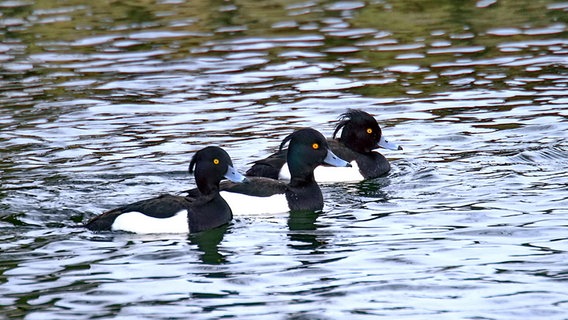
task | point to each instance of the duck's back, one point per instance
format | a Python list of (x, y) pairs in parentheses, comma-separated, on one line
[(268, 167), (162, 210)]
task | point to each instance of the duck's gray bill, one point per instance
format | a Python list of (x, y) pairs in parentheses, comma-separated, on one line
[(383, 143), (334, 160), (235, 176)]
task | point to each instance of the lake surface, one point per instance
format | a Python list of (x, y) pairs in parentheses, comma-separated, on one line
[(105, 102)]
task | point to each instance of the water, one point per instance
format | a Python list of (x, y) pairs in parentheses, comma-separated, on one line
[(105, 103)]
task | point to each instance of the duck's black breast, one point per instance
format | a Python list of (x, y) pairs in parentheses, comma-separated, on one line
[(305, 197), (208, 213), (374, 165)]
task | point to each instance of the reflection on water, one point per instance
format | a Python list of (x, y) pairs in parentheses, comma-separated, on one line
[(301, 227), (103, 103), (208, 244)]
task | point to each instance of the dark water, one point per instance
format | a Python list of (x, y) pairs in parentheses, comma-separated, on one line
[(104, 102)]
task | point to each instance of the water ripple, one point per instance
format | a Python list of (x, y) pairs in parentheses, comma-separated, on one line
[(101, 107)]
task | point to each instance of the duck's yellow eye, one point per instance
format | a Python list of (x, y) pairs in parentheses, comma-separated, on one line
[(215, 161), (315, 146), (369, 130)]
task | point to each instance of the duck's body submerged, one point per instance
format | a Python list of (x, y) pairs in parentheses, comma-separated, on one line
[(360, 136), (204, 210), (308, 158)]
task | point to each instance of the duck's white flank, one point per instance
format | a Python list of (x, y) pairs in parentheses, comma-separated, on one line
[(328, 174), (140, 223), (243, 205)]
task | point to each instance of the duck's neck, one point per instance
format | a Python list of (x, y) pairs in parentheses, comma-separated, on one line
[(302, 180), (303, 192), (301, 173), (206, 188)]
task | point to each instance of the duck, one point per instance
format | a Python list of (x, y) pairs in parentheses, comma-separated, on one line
[(307, 149), (168, 213), (360, 136)]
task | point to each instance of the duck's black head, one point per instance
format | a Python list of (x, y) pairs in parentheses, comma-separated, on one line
[(211, 165), (361, 132), (308, 149)]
